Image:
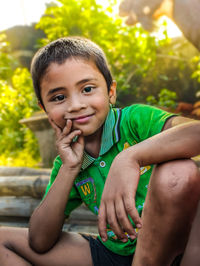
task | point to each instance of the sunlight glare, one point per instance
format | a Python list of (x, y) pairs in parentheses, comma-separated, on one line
[(20, 12), (172, 30)]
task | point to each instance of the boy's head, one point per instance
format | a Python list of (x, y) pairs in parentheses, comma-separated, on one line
[(72, 82), (65, 48)]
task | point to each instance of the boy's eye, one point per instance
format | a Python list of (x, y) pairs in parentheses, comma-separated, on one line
[(58, 98), (87, 89)]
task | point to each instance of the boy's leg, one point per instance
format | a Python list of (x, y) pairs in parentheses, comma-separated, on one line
[(192, 251), (169, 210), (71, 250)]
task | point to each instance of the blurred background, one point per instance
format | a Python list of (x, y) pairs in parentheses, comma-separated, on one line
[(151, 52)]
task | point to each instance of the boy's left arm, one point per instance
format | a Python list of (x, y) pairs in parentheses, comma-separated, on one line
[(180, 139)]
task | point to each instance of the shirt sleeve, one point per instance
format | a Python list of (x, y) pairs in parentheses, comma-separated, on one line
[(146, 121), (74, 198)]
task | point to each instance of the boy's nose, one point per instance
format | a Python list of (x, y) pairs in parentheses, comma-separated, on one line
[(75, 105)]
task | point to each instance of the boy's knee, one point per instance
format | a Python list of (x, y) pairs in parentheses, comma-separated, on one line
[(177, 181), (4, 241)]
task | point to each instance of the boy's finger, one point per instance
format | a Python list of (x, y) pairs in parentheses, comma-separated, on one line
[(129, 204), (122, 217), (114, 223), (70, 137), (79, 145), (67, 128), (102, 222), (80, 140), (55, 127)]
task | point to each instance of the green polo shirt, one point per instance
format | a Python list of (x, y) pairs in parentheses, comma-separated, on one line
[(122, 128)]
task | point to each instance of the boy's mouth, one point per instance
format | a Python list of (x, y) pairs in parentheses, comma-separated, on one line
[(82, 119)]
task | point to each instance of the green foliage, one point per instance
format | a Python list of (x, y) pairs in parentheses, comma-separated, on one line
[(166, 98), (196, 73), (18, 144), (172, 70), (71, 17), (151, 100), (19, 158), (17, 102), (7, 62)]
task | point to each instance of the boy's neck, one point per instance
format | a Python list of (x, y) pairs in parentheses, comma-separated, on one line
[(93, 143)]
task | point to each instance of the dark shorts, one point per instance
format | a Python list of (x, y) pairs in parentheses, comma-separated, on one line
[(101, 256)]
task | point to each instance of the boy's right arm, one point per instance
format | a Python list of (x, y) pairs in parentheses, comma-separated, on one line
[(47, 220)]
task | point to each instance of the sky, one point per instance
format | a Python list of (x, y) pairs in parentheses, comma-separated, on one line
[(20, 12), (25, 12)]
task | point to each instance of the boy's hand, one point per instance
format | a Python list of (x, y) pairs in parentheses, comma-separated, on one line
[(118, 198), (70, 151)]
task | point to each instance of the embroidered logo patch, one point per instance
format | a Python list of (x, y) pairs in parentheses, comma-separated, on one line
[(87, 190)]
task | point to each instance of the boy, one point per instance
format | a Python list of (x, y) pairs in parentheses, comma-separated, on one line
[(106, 157)]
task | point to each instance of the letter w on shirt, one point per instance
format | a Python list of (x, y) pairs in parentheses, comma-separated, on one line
[(86, 189)]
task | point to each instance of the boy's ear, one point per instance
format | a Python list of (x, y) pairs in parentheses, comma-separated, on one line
[(112, 92)]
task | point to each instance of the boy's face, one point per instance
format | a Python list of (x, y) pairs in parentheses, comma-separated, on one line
[(77, 90)]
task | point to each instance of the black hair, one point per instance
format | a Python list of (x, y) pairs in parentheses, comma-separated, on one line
[(62, 49)]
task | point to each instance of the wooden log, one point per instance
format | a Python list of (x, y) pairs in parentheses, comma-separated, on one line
[(80, 227), (26, 171), (24, 206), (20, 207), (82, 214), (33, 186)]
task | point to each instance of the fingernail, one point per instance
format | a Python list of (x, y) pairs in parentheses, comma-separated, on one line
[(124, 240), (103, 239), (138, 226), (132, 237)]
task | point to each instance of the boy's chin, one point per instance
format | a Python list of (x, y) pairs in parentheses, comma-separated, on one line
[(84, 133)]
